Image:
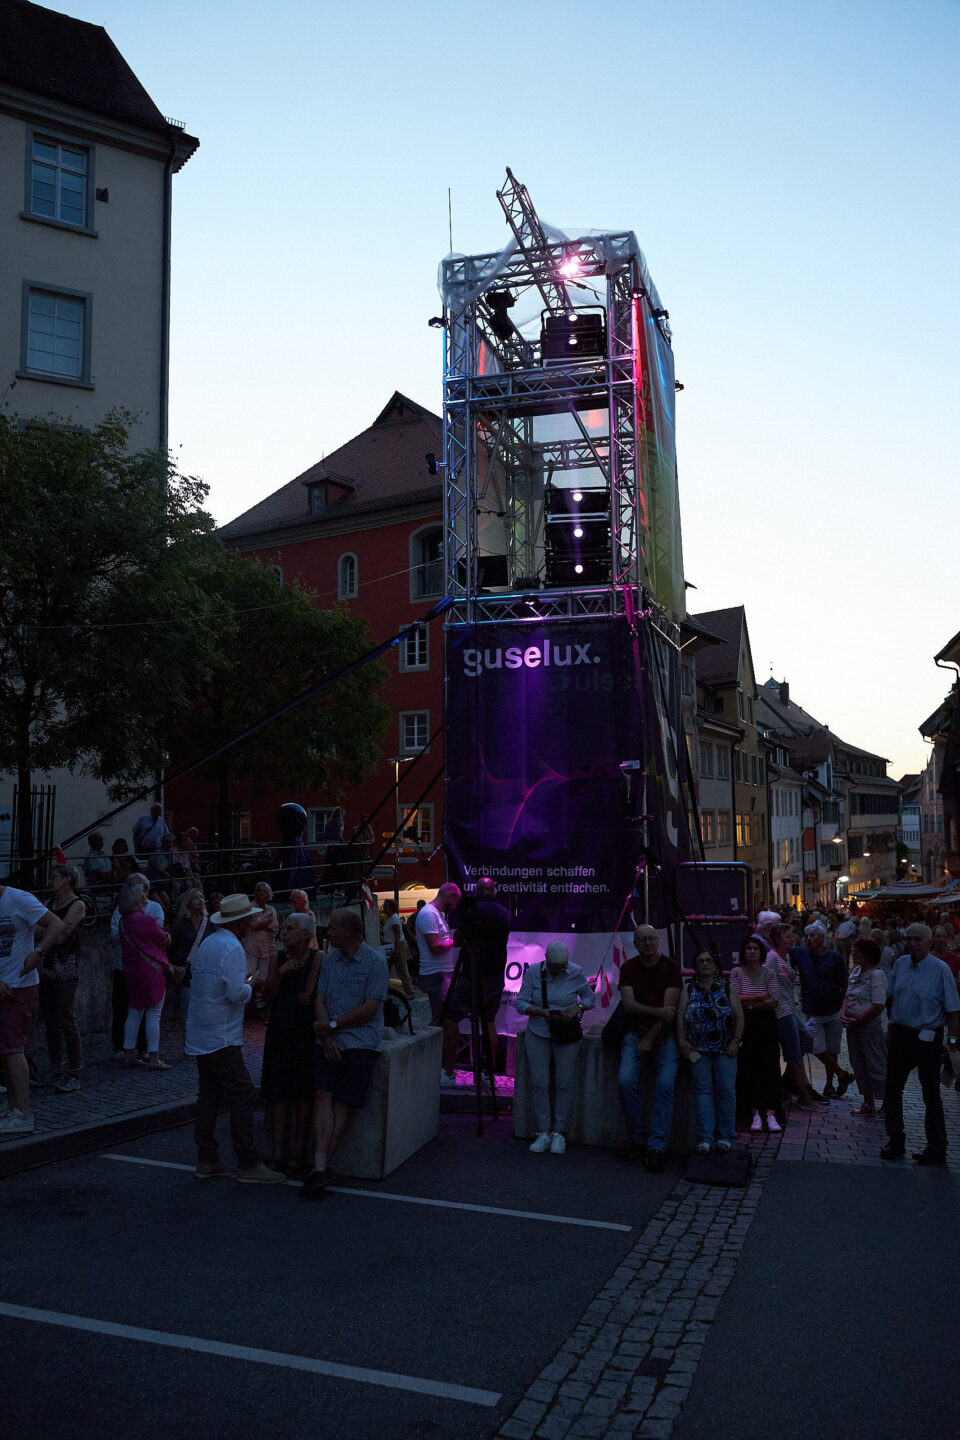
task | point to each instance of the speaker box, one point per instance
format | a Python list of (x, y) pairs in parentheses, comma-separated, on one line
[(722, 937), (731, 1169), (717, 888)]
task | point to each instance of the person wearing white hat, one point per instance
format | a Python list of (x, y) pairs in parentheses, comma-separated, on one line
[(219, 991)]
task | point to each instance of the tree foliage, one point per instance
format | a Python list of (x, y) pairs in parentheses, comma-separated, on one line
[(128, 632)]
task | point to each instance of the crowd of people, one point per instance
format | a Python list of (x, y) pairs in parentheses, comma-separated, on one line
[(800, 985)]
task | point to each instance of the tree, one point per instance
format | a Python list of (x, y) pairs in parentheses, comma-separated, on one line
[(86, 525), (263, 644)]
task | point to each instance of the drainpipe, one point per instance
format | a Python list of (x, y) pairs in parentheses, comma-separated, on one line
[(163, 435)]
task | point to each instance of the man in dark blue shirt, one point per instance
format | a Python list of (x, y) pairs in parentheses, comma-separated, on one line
[(823, 984)]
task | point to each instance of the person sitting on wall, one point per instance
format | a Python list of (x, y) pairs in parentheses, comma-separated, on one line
[(351, 990), (650, 985)]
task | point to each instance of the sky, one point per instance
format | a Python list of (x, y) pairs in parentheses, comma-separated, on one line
[(791, 173)]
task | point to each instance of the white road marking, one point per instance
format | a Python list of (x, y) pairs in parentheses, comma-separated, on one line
[(410, 1199), (247, 1353)]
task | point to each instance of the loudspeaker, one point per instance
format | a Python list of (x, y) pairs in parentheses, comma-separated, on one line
[(722, 937), (733, 1168), (715, 888)]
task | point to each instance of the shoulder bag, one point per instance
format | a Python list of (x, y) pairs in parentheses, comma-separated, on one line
[(562, 1032)]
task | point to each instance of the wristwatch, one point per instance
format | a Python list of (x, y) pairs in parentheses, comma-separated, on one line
[(951, 1039), (333, 1025)]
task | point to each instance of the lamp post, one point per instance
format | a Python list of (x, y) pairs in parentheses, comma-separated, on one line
[(396, 761)]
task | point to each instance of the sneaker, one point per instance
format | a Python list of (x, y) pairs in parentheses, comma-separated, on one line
[(260, 1175), (542, 1142), (15, 1123), (447, 1081), (654, 1162), (773, 1125), (557, 1144), (634, 1150), (315, 1183), (925, 1157), (214, 1170), (756, 1124), (68, 1085)]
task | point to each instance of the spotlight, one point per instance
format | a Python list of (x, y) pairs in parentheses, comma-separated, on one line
[(500, 301), (436, 322), (571, 267), (578, 532), (577, 496), (578, 569)]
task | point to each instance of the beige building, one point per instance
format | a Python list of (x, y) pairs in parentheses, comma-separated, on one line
[(86, 175)]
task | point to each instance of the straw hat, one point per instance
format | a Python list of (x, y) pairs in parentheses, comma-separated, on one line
[(234, 907)]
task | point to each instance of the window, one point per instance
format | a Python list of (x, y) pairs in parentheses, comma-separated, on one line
[(320, 818), (753, 769), (415, 651), (686, 678), (55, 335), (760, 768), (723, 762), (59, 182), (706, 759), (873, 804), (317, 497), (708, 827), (723, 827), (414, 731), (740, 829), (426, 564), (276, 570), (416, 824), (347, 577), (763, 827), (750, 704), (736, 763)]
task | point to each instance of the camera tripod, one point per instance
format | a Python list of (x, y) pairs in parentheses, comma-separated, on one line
[(480, 1053)]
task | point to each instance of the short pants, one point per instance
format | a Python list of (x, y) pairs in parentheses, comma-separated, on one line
[(15, 1017), (826, 1032), (789, 1033), (347, 1079)]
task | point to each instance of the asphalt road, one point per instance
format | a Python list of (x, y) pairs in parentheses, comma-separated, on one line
[(435, 1293), (841, 1320)]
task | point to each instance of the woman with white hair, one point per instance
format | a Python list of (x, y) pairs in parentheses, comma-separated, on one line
[(286, 1082), (261, 943), (553, 996), (144, 951)]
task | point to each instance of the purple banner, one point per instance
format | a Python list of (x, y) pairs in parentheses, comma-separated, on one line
[(539, 721)]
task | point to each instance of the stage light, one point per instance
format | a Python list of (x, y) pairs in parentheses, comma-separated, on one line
[(571, 267), (500, 301), (578, 569), (577, 496), (578, 532)]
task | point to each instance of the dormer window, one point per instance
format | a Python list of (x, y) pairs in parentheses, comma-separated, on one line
[(317, 497)]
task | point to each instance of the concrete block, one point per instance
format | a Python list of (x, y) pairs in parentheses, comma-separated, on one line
[(596, 1117), (402, 1112)]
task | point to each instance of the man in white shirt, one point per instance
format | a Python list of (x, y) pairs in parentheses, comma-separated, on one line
[(219, 991), (437, 956), (149, 830), (20, 915)]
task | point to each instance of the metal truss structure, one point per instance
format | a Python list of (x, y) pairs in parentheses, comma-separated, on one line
[(520, 423)]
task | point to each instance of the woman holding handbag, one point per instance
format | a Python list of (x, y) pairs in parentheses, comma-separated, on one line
[(553, 996), (143, 950), (709, 1029)]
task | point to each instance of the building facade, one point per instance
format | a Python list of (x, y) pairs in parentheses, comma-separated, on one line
[(86, 172)]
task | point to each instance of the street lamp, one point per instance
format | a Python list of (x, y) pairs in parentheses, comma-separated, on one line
[(396, 761)]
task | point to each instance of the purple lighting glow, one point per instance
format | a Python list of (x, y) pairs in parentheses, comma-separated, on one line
[(570, 267)]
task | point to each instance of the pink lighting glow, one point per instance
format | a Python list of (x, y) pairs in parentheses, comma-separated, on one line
[(571, 267)]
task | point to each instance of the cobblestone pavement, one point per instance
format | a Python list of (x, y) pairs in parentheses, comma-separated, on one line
[(107, 1091), (630, 1362)]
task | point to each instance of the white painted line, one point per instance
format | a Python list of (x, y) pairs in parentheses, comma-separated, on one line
[(193, 1343), (412, 1199)]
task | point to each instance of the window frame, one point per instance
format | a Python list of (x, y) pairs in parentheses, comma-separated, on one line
[(723, 827), (343, 593), (58, 137), (417, 564), (417, 635), (404, 748), (30, 288), (405, 813)]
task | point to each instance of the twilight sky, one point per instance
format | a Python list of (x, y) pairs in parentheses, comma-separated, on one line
[(791, 173)]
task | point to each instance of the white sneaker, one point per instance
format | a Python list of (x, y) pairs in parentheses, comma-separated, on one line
[(557, 1144), (543, 1142), (756, 1124), (773, 1125), (447, 1082), (16, 1123)]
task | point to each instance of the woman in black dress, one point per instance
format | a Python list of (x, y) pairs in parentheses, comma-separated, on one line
[(286, 1083)]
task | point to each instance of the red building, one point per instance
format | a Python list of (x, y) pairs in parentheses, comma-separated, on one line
[(363, 528)]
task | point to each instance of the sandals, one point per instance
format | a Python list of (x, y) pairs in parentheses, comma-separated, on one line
[(160, 1065), (863, 1110)]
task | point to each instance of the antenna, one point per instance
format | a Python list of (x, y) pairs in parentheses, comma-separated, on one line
[(450, 216)]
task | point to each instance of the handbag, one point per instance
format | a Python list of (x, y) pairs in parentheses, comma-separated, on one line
[(562, 1032)]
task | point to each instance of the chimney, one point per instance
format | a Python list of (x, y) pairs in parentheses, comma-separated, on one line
[(784, 693)]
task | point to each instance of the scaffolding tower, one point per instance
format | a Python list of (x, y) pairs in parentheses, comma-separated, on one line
[(560, 490)]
